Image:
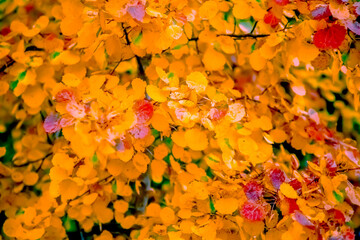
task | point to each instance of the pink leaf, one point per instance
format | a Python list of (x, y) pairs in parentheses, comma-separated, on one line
[(52, 123), (137, 12)]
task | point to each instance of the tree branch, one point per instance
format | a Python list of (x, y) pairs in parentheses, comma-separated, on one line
[(242, 36), (237, 36), (138, 59)]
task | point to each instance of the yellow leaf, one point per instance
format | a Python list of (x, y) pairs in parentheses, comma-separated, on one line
[(197, 81), (307, 52), (162, 74), (257, 61), (241, 10), (30, 178), (69, 189), (156, 93), (2, 151), (71, 80), (89, 199), (196, 139), (141, 161), (328, 188), (278, 135), (115, 48), (274, 39), (174, 31), (208, 9), (298, 142), (213, 60), (30, 77), (68, 58), (236, 112), (226, 205), (267, 51), (167, 215), (87, 35), (159, 122), (227, 44), (179, 138), (71, 25), (121, 206), (42, 22), (115, 166), (18, 27), (4, 49), (265, 123), (157, 170), (253, 228), (288, 191), (12, 227), (247, 145), (153, 210), (34, 96)]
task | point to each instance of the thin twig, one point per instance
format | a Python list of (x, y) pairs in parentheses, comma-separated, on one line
[(237, 36), (138, 59), (6, 65), (42, 161), (117, 64), (253, 28), (34, 161)]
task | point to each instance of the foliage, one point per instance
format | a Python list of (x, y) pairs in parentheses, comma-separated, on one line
[(179, 119)]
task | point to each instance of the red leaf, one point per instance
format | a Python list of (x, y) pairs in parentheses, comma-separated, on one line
[(277, 177), (5, 31), (216, 114), (65, 95), (270, 19), (330, 37), (253, 190), (321, 12), (144, 110), (282, 2), (253, 211)]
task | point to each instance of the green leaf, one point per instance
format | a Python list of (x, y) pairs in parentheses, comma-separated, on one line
[(19, 212), (226, 15), (204, 179), (137, 40), (212, 206), (338, 197), (114, 187), (98, 32), (227, 142), (168, 141), (69, 224), (22, 75), (209, 173), (137, 234), (155, 133), (171, 229), (253, 47), (54, 55), (177, 47), (345, 57), (212, 159), (94, 159), (14, 84), (170, 75)]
